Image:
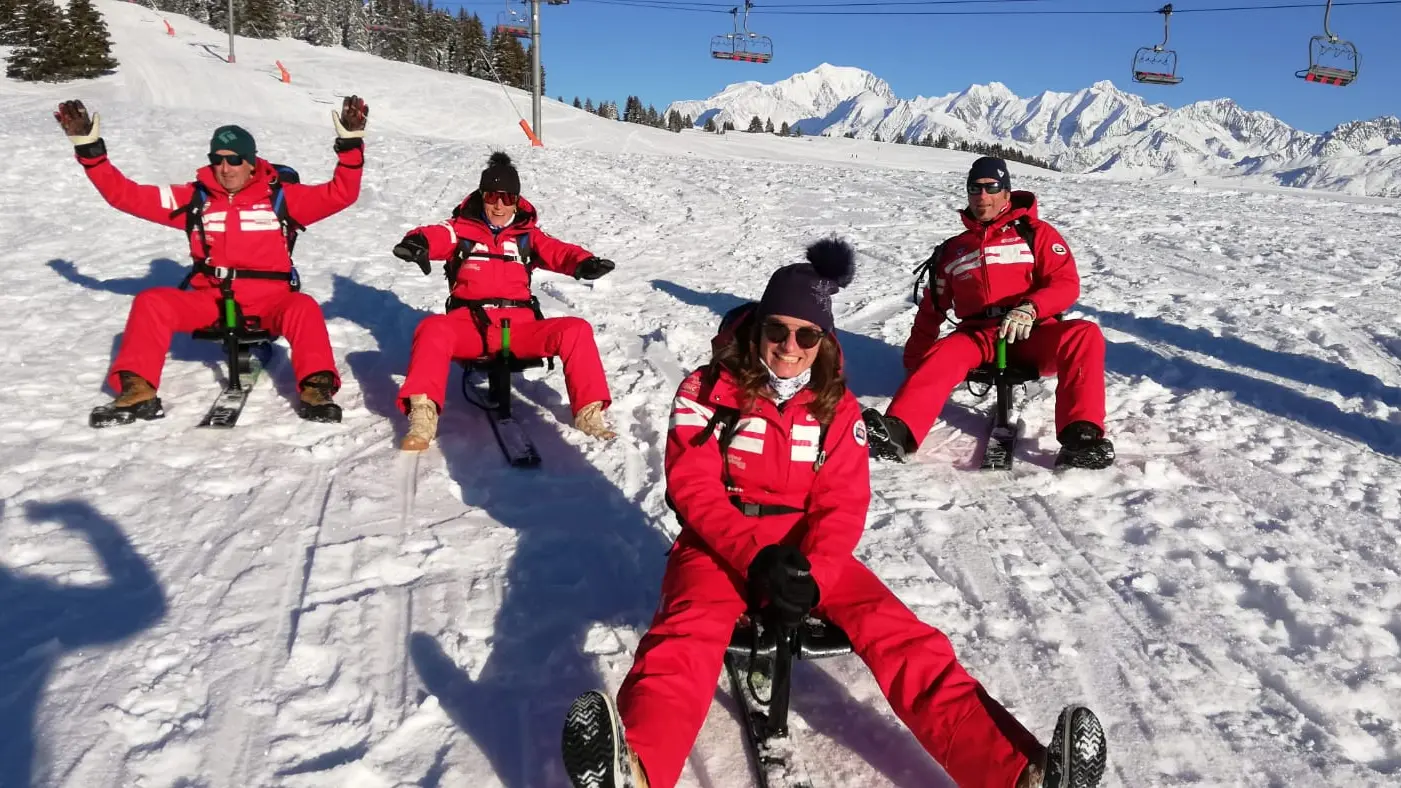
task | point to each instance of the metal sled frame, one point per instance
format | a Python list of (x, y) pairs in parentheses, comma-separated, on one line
[(815, 638), (497, 369), (742, 45), (1328, 48), (239, 335), (1157, 65), (1002, 381)]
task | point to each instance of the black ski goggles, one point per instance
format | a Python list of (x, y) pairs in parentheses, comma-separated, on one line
[(232, 159), (990, 188), (777, 333)]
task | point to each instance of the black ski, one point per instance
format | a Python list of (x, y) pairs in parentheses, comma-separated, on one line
[(515, 443), (1001, 447), (775, 759), (224, 413)]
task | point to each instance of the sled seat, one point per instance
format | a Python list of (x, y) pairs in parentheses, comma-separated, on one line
[(488, 363), (987, 375), (238, 343), (815, 638)]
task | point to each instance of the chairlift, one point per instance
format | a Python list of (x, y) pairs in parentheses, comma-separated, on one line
[(512, 23), (1157, 65), (741, 44), (1332, 61)]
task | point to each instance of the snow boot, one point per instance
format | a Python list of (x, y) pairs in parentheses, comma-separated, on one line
[(138, 400), (596, 754), (1083, 445), (889, 437), (589, 420), (1076, 757), (423, 423), (316, 404)]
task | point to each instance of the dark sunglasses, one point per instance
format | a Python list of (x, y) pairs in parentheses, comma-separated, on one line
[(808, 338), (232, 158), (505, 198), (990, 188)]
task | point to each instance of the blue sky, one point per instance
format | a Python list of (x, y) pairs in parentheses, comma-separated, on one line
[(614, 48)]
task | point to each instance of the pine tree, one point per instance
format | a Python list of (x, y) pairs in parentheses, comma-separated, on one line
[(900, 138), (260, 19), (783, 129), (755, 125), (728, 126), (12, 21), (710, 125), (41, 56), (876, 137), (653, 119), (89, 49), (577, 105), (797, 130), (768, 126), (688, 122), (588, 105)]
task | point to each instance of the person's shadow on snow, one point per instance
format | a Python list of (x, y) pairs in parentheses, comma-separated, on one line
[(183, 347), (1130, 359), (43, 620), (586, 560)]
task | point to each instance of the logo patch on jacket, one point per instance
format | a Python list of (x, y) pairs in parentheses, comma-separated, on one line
[(1058, 249), (858, 431)]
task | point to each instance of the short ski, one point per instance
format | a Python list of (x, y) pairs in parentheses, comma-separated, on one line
[(1001, 447), (515, 443), (775, 759), (224, 413)]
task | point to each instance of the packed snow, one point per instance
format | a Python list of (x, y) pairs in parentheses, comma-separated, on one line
[(298, 604)]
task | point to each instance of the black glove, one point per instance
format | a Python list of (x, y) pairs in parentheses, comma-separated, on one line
[(781, 574), (592, 268), (414, 249)]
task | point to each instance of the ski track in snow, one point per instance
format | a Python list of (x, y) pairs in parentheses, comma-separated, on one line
[(330, 612)]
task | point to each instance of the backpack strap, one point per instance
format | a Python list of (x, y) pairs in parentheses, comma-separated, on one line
[(1028, 233), (927, 269)]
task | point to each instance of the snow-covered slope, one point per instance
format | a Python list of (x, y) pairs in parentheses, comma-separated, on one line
[(1098, 129), (293, 604)]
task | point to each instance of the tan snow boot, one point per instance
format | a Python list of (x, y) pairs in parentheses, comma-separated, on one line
[(135, 390), (589, 420), (423, 423)]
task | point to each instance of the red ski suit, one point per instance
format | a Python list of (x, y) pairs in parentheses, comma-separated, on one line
[(666, 695), (243, 233), (991, 267), (485, 275)]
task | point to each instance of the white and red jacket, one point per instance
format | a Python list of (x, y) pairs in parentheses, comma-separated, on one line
[(772, 460), (991, 265), (242, 229), (492, 264)]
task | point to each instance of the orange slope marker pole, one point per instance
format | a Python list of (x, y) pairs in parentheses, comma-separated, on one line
[(286, 75), (534, 140), (170, 31)]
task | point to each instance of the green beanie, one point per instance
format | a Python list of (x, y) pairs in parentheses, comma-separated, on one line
[(236, 139)]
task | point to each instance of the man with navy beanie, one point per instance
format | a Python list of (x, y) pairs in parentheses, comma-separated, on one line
[(1008, 276)]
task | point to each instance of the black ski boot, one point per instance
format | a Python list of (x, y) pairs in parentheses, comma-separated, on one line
[(316, 405), (1083, 445), (596, 754), (138, 400), (890, 438)]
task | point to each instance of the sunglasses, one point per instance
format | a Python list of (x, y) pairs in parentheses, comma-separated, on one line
[(231, 158), (990, 188), (808, 338), (505, 198)]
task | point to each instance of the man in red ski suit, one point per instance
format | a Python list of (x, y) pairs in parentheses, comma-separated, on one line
[(776, 516), (239, 240), (1009, 275), (492, 244)]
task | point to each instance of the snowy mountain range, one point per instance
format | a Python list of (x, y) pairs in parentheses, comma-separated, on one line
[(1097, 129)]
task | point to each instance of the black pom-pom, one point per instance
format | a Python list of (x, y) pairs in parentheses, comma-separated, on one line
[(498, 159), (834, 259)]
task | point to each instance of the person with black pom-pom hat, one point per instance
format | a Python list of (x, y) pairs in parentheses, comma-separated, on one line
[(767, 471), (492, 244)]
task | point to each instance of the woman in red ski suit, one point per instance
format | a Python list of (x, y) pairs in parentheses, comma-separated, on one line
[(779, 366), (242, 239), (493, 244), (1008, 274)]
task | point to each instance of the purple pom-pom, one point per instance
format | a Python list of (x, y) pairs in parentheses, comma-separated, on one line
[(834, 259)]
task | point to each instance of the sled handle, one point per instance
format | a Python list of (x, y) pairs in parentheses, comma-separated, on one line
[(506, 336), (1001, 353)]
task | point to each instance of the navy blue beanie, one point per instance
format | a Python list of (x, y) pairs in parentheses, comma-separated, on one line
[(990, 167), (804, 290)]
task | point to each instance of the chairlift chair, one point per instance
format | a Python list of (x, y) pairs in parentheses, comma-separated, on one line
[(512, 23), (742, 45), (1332, 61), (1157, 65)]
